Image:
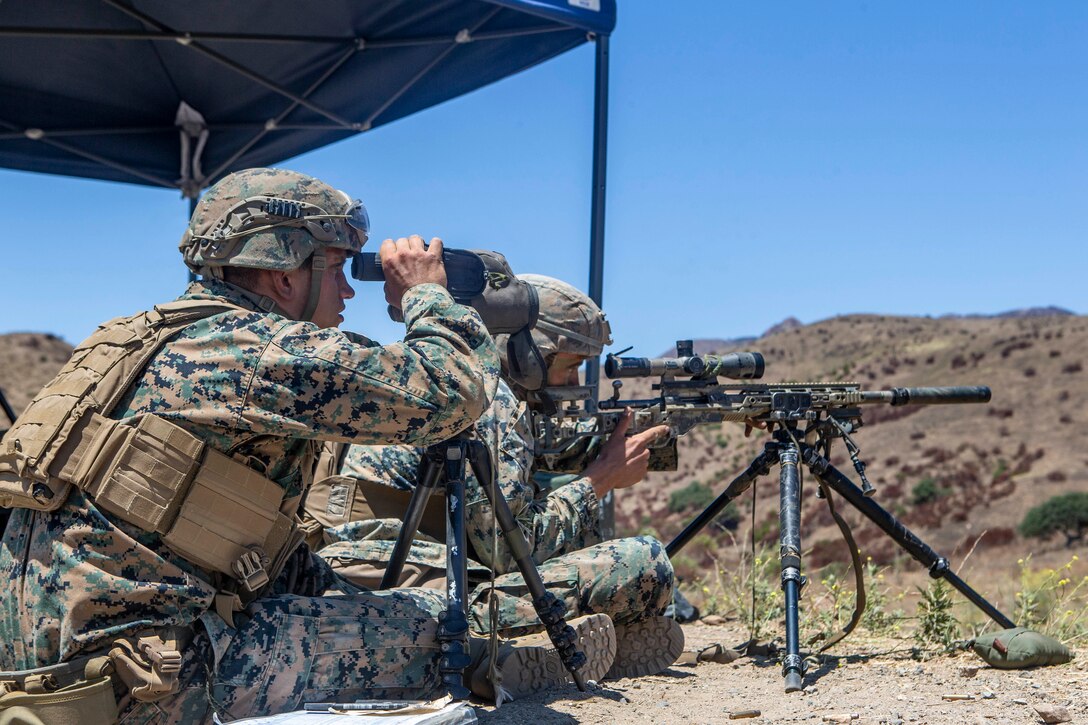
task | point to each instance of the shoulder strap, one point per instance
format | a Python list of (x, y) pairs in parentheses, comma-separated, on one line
[(94, 379), (163, 323)]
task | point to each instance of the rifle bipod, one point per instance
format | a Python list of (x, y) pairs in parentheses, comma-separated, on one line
[(789, 450), (445, 463)]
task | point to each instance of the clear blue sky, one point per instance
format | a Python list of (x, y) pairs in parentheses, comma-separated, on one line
[(765, 160)]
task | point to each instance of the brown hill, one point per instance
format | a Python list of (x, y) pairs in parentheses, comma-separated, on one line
[(983, 466), (28, 360)]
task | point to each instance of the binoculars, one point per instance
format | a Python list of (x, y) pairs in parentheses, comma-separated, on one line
[(480, 279), (466, 273)]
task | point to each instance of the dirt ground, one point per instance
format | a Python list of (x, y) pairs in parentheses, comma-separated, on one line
[(874, 680)]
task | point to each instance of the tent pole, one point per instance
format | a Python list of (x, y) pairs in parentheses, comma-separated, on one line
[(596, 234)]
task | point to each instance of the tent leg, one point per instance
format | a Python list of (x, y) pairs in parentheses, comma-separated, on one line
[(596, 234)]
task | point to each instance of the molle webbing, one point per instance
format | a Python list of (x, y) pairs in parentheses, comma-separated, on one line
[(214, 511), (101, 369), (210, 509)]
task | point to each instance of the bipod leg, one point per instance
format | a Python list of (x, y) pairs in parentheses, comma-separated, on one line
[(430, 468), (789, 520), (760, 466), (549, 607), (900, 534), (453, 623)]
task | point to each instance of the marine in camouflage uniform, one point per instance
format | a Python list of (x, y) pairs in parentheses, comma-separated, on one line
[(629, 579), (257, 384)]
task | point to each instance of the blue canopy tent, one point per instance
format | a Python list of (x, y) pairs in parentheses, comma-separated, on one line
[(178, 94)]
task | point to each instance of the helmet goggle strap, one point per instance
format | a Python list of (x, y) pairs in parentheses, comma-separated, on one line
[(317, 274), (572, 335), (261, 213)]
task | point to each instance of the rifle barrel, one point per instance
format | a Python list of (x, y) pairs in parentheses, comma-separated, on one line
[(929, 396)]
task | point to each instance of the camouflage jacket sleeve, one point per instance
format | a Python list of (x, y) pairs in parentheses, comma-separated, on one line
[(290, 379), (394, 466), (422, 390), (554, 522)]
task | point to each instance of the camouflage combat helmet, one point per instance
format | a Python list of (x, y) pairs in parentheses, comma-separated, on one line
[(569, 321), (272, 219)]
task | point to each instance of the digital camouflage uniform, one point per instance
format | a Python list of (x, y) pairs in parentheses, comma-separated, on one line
[(263, 389), (628, 579)]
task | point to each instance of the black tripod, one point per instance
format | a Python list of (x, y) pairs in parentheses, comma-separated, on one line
[(445, 463), (789, 450)]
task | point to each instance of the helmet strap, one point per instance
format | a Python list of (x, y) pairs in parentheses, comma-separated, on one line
[(571, 334), (526, 365), (261, 302), (317, 273)]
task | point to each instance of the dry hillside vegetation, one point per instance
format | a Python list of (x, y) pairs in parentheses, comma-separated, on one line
[(959, 476)]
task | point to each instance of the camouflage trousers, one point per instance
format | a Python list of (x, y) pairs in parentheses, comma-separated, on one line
[(289, 650), (627, 579)]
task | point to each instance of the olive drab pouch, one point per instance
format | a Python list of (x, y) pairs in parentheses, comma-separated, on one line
[(338, 500), (71, 693), (1020, 648)]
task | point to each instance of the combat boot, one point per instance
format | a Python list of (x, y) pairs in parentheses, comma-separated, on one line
[(646, 647), (530, 664)]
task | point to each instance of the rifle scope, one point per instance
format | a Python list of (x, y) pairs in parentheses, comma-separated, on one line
[(735, 365)]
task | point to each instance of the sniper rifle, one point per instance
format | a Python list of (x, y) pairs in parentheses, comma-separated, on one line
[(803, 420)]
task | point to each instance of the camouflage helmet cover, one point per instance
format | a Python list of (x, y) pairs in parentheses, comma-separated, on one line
[(270, 219), (569, 321)]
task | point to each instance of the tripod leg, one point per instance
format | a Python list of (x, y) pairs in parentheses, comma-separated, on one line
[(789, 519), (760, 466), (430, 467), (453, 623), (549, 607), (937, 565)]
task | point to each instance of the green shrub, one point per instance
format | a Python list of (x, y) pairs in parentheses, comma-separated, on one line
[(1067, 513), (937, 626), (693, 496), (926, 491)]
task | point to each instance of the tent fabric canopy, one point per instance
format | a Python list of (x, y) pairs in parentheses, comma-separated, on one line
[(177, 94)]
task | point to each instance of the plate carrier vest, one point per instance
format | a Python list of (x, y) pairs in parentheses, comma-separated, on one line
[(209, 509)]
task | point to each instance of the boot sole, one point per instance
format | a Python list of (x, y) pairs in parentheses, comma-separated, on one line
[(532, 669), (646, 647)]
